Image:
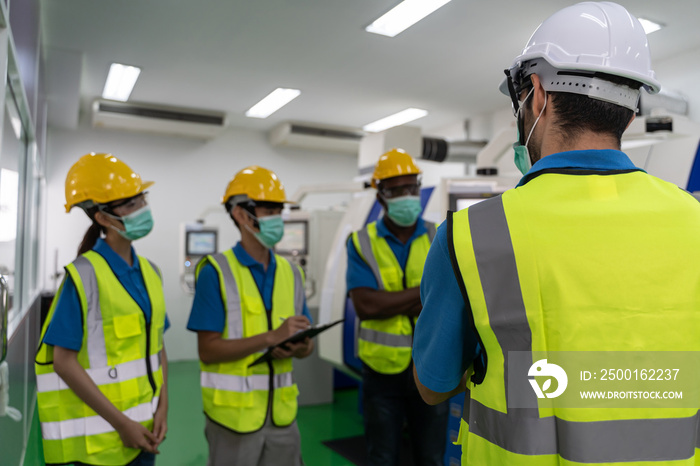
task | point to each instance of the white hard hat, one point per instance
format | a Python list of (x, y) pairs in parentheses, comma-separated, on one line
[(590, 37)]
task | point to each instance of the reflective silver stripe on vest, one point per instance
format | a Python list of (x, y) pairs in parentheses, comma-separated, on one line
[(495, 262), (96, 349), (233, 299), (284, 379), (298, 290), (366, 250), (94, 425), (386, 339), (51, 381), (521, 430), (156, 269), (237, 383), (430, 226), (629, 440)]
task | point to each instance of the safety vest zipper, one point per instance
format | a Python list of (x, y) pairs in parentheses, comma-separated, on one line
[(405, 287), (270, 386), (149, 368)]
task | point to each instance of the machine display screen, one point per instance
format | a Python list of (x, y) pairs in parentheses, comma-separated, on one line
[(295, 238), (201, 243)]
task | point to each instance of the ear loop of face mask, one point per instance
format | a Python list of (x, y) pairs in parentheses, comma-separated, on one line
[(107, 210), (256, 222), (538, 116)]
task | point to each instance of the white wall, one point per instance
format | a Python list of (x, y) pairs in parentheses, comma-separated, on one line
[(190, 177), (682, 74)]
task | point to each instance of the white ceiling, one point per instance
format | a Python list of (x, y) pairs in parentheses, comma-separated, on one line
[(227, 54)]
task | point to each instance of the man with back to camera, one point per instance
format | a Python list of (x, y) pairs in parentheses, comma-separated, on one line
[(587, 253), (385, 265), (248, 299)]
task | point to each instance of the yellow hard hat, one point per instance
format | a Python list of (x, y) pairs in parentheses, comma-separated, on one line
[(101, 178), (396, 162), (258, 184)]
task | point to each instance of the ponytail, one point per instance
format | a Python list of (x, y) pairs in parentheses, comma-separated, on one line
[(93, 233), (91, 236)]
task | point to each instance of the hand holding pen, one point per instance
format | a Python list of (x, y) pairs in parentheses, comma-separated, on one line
[(290, 326)]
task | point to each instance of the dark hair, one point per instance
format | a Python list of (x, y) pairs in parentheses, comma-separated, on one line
[(579, 113), (92, 234)]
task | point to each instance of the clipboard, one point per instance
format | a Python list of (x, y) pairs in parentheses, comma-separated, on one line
[(297, 337)]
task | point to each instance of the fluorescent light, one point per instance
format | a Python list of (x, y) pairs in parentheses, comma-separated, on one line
[(120, 82), (403, 16), (396, 119), (273, 102), (649, 25)]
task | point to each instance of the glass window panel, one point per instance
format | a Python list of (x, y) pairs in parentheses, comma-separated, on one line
[(30, 286), (12, 150)]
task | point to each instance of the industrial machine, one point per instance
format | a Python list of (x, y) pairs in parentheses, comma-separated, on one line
[(197, 241)]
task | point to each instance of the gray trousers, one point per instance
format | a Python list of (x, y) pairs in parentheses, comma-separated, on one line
[(270, 446)]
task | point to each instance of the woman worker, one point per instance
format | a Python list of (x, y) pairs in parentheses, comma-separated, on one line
[(101, 365)]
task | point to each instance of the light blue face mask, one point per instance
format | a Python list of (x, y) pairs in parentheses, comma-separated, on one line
[(271, 230), (404, 210), (522, 155), (136, 224)]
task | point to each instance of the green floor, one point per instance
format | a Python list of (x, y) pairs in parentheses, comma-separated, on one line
[(186, 445)]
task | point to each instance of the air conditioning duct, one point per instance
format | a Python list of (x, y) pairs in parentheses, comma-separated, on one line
[(316, 137), (665, 100), (178, 121)]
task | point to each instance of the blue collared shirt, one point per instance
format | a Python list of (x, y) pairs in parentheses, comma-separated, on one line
[(359, 275), (66, 327), (444, 344), (208, 312), (596, 160)]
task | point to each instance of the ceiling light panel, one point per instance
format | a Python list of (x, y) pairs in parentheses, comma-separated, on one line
[(120, 82), (397, 119), (403, 16), (273, 102)]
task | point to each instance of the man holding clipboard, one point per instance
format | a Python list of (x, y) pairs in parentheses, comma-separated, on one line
[(248, 299)]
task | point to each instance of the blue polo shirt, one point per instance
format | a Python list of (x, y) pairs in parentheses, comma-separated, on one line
[(359, 275), (445, 344), (66, 327), (208, 312)]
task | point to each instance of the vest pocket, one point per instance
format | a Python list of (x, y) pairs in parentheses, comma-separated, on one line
[(234, 399), (127, 329), (391, 279), (377, 351), (289, 393), (127, 326)]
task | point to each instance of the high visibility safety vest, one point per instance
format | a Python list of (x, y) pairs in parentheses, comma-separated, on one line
[(385, 344), (237, 396), (121, 354), (578, 262)]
